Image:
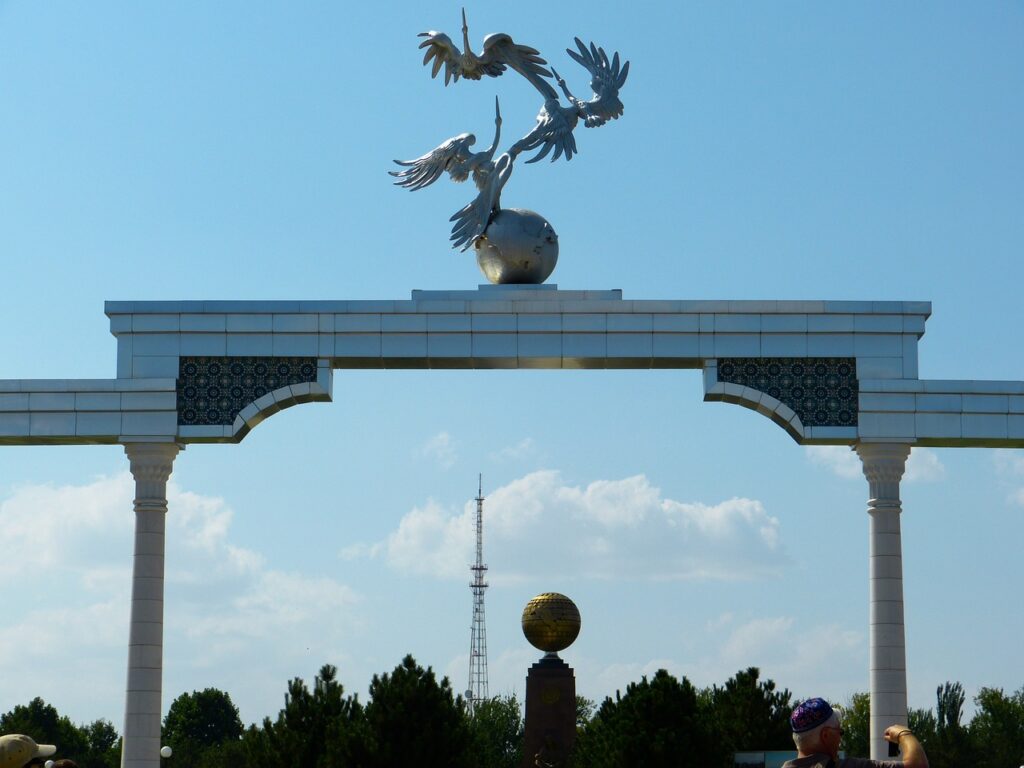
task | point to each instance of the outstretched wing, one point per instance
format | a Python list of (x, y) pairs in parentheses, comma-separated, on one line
[(471, 222), (606, 78), (444, 53), (500, 51), (553, 130), (425, 170)]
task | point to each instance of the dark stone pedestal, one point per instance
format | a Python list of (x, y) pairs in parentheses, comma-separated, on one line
[(550, 713)]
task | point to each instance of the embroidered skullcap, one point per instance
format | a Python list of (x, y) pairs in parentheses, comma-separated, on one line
[(809, 715)]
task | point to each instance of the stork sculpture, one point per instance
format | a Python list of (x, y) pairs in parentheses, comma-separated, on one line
[(477, 224)]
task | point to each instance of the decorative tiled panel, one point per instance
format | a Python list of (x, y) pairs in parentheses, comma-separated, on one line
[(822, 390), (212, 390)]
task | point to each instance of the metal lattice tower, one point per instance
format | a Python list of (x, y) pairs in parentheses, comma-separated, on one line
[(477, 690)]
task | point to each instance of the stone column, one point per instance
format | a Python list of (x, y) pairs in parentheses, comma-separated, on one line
[(884, 464), (151, 465)]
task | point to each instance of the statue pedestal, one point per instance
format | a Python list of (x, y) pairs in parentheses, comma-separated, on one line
[(550, 713)]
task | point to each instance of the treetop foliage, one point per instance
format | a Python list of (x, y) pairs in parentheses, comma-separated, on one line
[(413, 719), (95, 745)]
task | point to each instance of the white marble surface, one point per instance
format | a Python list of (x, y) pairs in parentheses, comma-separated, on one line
[(517, 327)]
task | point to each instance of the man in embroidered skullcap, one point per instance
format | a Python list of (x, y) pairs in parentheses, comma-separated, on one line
[(817, 733)]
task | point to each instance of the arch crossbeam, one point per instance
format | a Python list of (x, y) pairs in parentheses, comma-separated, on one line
[(209, 371)]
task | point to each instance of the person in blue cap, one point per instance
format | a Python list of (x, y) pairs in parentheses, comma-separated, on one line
[(817, 733)]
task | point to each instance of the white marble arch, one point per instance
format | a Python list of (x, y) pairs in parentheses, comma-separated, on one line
[(147, 408)]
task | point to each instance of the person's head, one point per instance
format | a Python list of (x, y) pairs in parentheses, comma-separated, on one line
[(17, 751), (816, 728)]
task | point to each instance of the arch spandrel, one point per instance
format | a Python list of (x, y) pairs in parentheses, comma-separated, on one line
[(815, 399), (222, 397)]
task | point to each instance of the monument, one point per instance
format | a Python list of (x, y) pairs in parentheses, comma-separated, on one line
[(512, 245), (210, 371), (551, 622)]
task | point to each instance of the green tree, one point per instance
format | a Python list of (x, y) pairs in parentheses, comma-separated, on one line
[(750, 715), (301, 733), (998, 728), (496, 730), (410, 720), (949, 707), (584, 710), (103, 745), (952, 741), (43, 723), (92, 746), (923, 723), (857, 725), (198, 721), (656, 724), (228, 754)]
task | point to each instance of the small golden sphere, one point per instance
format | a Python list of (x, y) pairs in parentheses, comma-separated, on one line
[(551, 622)]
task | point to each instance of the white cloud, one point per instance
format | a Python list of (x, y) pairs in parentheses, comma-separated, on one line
[(538, 527), (923, 466), (428, 540), (1008, 462), (65, 560), (72, 656), (359, 550), (838, 459), (516, 452), (755, 637), (41, 633), (722, 620), (64, 528), (617, 676), (440, 448), (204, 520), (811, 659), (81, 530), (275, 602)]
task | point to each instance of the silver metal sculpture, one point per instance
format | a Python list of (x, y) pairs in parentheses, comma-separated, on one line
[(512, 245)]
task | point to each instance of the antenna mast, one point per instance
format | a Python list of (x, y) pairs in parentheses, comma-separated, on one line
[(477, 690)]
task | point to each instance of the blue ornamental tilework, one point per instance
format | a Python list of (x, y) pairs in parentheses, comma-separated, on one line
[(212, 390), (822, 390)]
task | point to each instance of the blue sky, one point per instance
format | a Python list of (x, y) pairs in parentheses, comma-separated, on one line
[(238, 151)]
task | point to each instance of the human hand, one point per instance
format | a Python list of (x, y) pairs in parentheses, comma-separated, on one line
[(893, 733)]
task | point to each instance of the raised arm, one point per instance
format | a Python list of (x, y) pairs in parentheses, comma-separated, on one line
[(913, 752)]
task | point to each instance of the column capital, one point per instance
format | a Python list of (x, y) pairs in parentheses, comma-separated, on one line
[(883, 465), (151, 462)]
